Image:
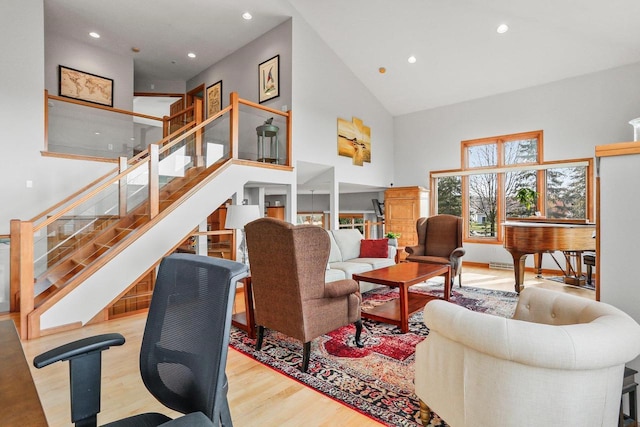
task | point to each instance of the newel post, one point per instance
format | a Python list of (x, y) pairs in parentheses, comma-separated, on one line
[(154, 178), (21, 265), (234, 125)]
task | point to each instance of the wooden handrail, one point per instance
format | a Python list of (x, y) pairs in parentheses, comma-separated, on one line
[(192, 131), (262, 107), (103, 107), (179, 113), (76, 194), (89, 195), (23, 232)]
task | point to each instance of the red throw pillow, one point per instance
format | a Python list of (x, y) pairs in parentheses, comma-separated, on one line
[(374, 248)]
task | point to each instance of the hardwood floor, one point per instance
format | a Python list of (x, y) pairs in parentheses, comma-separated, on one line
[(258, 396)]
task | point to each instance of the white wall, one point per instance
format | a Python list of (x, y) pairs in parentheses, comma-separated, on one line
[(575, 114), (22, 131), (324, 89)]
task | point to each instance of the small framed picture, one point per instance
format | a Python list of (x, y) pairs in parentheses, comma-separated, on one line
[(269, 79), (214, 99), (84, 86)]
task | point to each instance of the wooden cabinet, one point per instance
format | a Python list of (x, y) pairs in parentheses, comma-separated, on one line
[(276, 212), (402, 208)]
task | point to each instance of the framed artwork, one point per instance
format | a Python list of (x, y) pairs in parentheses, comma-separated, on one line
[(214, 99), (354, 140), (84, 86), (269, 79)]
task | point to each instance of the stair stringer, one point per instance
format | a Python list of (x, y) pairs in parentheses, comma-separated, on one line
[(102, 288)]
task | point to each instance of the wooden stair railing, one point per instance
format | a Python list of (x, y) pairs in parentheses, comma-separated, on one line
[(70, 268)]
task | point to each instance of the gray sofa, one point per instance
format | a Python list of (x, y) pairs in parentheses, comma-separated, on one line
[(345, 260)]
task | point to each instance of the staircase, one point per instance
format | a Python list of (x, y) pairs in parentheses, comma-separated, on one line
[(84, 274)]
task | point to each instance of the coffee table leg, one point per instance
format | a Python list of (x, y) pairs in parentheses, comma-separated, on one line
[(447, 284), (404, 307)]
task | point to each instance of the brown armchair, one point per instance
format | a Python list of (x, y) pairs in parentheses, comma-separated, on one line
[(439, 242), (288, 265)]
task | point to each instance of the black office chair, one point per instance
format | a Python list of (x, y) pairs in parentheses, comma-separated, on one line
[(184, 347)]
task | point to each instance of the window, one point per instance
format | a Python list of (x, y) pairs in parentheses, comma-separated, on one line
[(497, 171), (352, 221)]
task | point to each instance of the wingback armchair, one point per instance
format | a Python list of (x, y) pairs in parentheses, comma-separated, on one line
[(558, 362), (288, 264), (439, 242)]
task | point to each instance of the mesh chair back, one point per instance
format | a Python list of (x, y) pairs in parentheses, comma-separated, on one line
[(185, 342)]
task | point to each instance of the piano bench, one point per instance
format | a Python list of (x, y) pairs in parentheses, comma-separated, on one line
[(590, 261)]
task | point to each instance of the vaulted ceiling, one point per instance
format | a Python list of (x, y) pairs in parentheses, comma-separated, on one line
[(459, 55)]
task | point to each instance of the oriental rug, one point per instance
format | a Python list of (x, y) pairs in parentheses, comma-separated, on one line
[(376, 380)]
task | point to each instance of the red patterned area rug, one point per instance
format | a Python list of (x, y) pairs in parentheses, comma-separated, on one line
[(376, 380)]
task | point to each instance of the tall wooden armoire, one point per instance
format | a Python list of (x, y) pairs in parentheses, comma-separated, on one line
[(402, 208)]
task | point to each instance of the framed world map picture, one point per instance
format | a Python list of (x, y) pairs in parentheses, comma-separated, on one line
[(88, 87)]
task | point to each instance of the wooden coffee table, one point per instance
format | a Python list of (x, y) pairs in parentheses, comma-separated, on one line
[(401, 276)]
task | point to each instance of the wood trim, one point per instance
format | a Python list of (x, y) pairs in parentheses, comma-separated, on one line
[(154, 185), (234, 125), (198, 113), (103, 107), (179, 113), (14, 265), (25, 274), (289, 148), (77, 157), (216, 169), (618, 149), (262, 107), (88, 196), (58, 329), (160, 94)]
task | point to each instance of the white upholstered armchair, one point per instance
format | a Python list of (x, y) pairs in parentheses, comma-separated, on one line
[(558, 362)]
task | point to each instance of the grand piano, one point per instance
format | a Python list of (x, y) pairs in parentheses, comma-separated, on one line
[(538, 236)]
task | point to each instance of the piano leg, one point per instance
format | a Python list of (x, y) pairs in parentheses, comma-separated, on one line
[(538, 260), (519, 259)]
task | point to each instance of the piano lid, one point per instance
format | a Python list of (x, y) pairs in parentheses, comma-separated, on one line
[(547, 222)]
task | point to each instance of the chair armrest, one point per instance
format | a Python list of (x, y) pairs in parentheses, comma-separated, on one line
[(392, 252), (340, 288), (415, 250), (78, 348), (456, 255)]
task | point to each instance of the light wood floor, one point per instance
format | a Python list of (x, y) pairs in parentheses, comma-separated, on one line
[(258, 396)]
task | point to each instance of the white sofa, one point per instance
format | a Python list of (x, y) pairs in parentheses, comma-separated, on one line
[(558, 362), (345, 260)]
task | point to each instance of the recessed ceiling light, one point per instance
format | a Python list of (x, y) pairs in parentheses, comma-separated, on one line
[(247, 16), (382, 70), (412, 59), (94, 35), (191, 55), (502, 28)]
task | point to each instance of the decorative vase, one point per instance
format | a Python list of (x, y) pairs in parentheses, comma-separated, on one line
[(393, 242), (636, 128)]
